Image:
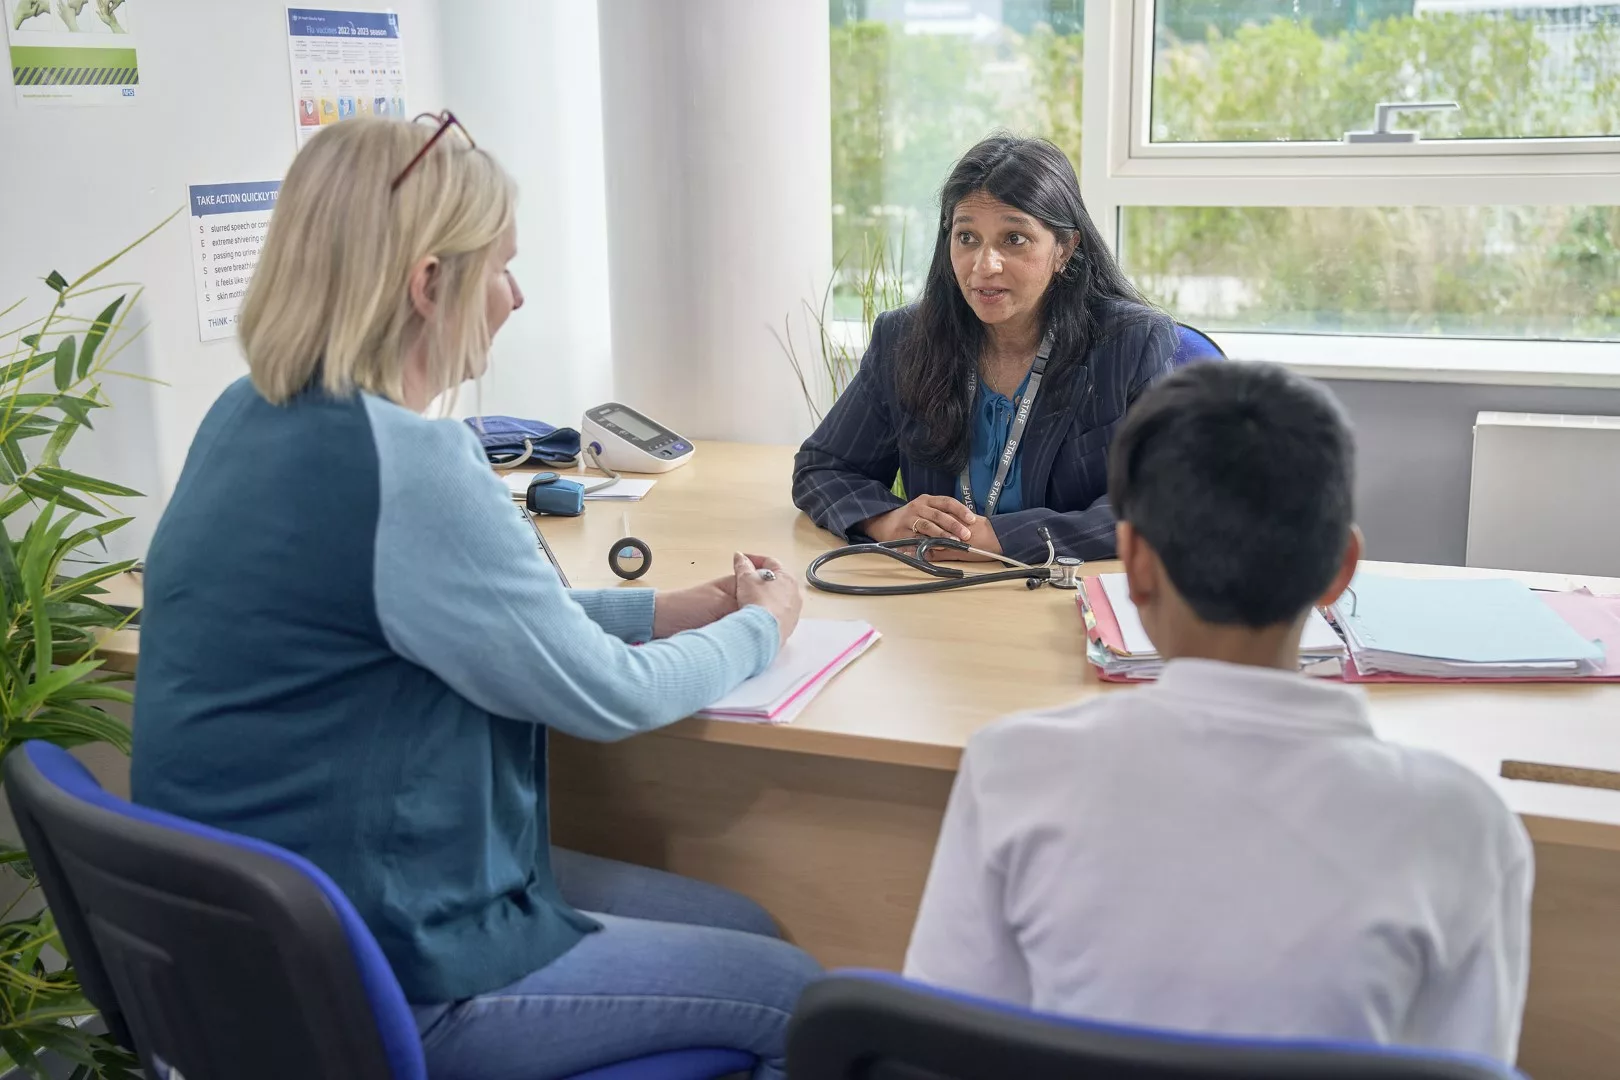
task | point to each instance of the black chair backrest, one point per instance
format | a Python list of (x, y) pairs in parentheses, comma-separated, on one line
[(223, 962), (882, 1028)]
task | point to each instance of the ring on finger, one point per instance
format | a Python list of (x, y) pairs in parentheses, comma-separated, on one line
[(917, 526)]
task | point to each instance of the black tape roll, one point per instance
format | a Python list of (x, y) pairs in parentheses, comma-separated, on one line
[(630, 558)]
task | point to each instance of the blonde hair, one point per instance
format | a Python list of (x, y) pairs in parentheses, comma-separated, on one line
[(330, 297)]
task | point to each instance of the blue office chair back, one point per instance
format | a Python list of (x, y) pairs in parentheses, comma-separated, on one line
[(875, 1026), (224, 957), (1193, 346), (211, 953)]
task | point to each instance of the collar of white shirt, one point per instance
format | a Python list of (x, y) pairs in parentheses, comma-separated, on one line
[(1265, 697)]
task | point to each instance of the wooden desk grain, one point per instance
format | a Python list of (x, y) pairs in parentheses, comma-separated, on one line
[(831, 821)]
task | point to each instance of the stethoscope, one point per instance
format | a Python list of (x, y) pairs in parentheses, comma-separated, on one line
[(1061, 572)]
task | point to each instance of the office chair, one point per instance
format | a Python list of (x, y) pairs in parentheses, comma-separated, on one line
[(877, 1026), (1194, 345), (224, 957)]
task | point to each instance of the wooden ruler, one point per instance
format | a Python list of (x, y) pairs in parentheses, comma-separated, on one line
[(1561, 774)]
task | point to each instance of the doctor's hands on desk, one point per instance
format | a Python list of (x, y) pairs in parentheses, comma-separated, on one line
[(700, 605), (936, 515)]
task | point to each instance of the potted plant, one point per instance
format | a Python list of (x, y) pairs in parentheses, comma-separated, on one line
[(52, 522)]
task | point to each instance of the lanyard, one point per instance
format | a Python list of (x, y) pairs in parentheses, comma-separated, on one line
[(1014, 437)]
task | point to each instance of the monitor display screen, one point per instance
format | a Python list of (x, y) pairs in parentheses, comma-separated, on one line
[(635, 425)]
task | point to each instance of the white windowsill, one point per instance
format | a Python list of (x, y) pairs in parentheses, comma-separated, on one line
[(1587, 364), (1484, 361)]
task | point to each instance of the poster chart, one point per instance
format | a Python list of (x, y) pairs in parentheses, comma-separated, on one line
[(344, 63), (227, 228), (72, 52)]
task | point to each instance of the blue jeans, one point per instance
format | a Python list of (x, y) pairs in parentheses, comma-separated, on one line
[(677, 964)]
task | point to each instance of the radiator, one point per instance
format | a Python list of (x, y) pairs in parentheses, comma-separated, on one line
[(1545, 493)]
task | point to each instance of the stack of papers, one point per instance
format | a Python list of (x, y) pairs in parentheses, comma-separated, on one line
[(1119, 647), (818, 650), (623, 489), (1471, 628)]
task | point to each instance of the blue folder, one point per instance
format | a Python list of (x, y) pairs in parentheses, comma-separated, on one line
[(1470, 620)]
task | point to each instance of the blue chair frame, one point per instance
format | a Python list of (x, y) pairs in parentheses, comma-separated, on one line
[(225, 957), (859, 1025)]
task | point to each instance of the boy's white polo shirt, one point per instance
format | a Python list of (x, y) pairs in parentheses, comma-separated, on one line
[(1231, 850)]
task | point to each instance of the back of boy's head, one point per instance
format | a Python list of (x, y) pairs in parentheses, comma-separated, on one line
[(1241, 477)]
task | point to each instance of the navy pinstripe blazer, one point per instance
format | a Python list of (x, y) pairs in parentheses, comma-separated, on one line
[(843, 473)]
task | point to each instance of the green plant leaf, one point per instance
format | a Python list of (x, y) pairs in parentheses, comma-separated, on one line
[(20, 369), (83, 617), (31, 565), (51, 493), (46, 1030), (92, 340), (53, 527), (14, 456), (97, 532), (68, 479), (36, 401), (56, 281), (77, 410), (83, 583), (10, 578), (72, 725), (52, 454), (66, 353), (32, 427), (21, 1054), (48, 683), (89, 690), (17, 858)]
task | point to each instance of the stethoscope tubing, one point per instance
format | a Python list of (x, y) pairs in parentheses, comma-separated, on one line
[(947, 577)]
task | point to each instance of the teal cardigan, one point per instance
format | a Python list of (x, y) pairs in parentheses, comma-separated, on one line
[(352, 648)]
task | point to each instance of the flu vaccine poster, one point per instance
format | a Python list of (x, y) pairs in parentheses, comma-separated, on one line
[(344, 64)]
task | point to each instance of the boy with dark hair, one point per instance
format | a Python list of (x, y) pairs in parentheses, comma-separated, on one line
[(1232, 850)]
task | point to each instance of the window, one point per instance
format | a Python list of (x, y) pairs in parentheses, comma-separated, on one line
[(1314, 70), (915, 83), (1225, 149), (1536, 272)]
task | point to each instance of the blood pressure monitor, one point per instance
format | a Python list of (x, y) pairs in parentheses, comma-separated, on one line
[(632, 442)]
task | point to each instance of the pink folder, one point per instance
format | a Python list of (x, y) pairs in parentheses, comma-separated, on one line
[(1596, 618)]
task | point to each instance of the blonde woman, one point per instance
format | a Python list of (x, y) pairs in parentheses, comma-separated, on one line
[(353, 649)]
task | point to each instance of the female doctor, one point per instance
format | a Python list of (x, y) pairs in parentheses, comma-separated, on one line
[(353, 648), (996, 395)]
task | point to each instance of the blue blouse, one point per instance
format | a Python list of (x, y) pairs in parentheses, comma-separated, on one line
[(992, 423)]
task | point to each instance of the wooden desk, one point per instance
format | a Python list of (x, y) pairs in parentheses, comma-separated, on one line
[(831, 821)]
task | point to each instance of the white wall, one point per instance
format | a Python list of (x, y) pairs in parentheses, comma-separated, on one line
[(525, 80), (76, 184), (718, 167)]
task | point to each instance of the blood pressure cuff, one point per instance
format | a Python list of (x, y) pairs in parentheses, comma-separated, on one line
[(507, 439)]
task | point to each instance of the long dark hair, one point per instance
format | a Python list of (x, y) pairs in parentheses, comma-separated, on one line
[(941, 349)]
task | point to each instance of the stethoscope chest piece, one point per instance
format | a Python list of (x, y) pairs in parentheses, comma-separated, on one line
[(630, 558), (1065, 572)]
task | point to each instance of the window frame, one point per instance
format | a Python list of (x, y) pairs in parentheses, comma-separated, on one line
[(1137, 171), (1120, 169)]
